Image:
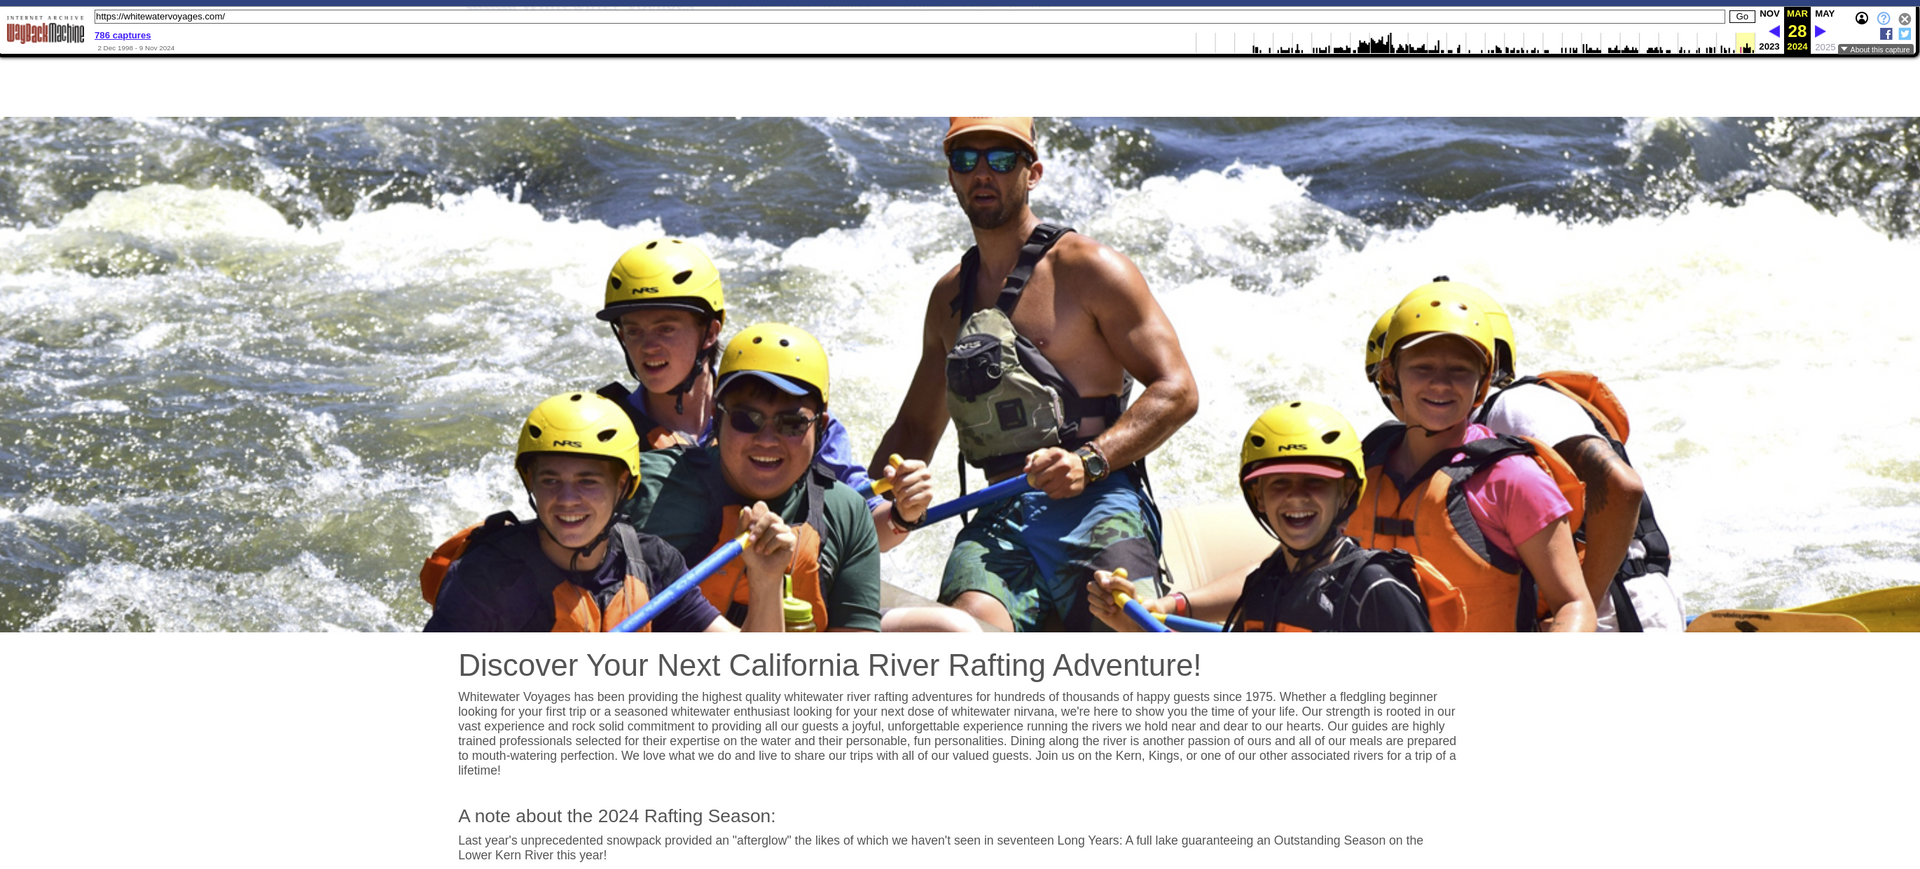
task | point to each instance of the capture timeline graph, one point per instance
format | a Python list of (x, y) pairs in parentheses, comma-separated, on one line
[(1790, 30), (1482, 44)]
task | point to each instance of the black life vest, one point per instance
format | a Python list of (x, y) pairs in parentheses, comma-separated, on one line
[(1319, 601)]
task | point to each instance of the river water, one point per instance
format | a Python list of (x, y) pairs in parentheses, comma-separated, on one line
[(252, 370)]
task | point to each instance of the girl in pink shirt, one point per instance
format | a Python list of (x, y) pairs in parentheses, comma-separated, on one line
[(1436, 372)]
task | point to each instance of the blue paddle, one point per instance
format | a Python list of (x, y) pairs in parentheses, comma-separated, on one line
[(1006, 488), (699, 572), (1160, 623), (691, 579)]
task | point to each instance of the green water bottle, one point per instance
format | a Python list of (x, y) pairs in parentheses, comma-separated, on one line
[(798, 613)]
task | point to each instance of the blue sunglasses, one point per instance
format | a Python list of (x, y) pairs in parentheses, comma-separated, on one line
[(1000, 160)]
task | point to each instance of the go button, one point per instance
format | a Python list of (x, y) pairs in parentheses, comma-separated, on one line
[(1741, 16)]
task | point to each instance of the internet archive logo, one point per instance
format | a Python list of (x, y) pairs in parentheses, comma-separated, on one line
[(30, 33)]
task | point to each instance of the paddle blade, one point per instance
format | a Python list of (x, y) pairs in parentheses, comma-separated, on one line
[(1773, 622), (1883, 611)]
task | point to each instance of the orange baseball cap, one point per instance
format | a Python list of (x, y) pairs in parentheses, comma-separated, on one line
[(1019, 128)]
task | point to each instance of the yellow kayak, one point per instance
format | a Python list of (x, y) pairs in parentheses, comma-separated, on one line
[(1206, 542)]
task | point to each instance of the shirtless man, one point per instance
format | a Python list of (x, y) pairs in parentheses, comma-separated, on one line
[(1088, 315)]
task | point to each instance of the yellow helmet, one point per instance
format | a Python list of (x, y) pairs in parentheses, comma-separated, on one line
[(664, 273), (1421, 317), (583, 424), (783, 355), (1377, 345), (1503, 352), (1301, 437)]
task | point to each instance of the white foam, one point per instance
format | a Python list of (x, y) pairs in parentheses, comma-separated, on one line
[(181, 215), (303, 594), (468, 495), (149, 338), (100, 406)]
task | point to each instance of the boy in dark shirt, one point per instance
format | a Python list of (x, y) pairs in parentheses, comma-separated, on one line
[(576, 567)]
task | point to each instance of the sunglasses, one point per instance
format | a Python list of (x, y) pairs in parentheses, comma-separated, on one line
[(1001, 160), (751, 422)]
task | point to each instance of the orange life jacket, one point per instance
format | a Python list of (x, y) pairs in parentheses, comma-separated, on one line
[(1446, 606), (1431, 519), (576, 612), (450, 550), (1610, 421), (1586, 390), (574, 608), (726, 589), (1314, 604)]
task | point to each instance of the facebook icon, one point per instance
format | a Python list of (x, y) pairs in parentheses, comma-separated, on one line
[(1886, 33)]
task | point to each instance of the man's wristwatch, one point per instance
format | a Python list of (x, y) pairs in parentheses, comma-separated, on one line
[(899, 523), (1094, 461)]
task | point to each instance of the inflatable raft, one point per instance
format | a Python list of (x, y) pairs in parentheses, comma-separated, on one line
[(1209, 541)]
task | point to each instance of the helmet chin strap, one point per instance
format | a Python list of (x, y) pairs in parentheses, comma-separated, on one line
[(1328, 544), (1304, 560), (1414, 426), (624, 355), (1393, 389), (679, 393), (578, 551), (709, 358)]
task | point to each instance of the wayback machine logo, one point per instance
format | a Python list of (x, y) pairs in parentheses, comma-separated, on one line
[(48, 32)]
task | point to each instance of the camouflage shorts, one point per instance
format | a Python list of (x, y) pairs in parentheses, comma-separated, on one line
[(1036, 555)]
